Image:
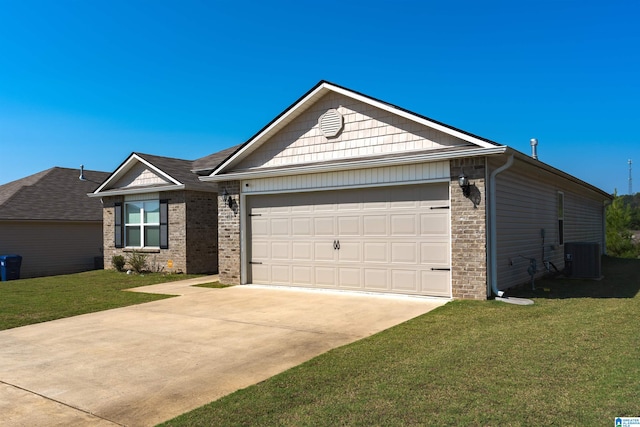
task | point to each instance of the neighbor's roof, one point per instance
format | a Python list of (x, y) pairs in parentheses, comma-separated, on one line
[(56, 194)]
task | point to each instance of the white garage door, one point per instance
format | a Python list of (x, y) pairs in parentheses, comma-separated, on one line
[(386, 239)]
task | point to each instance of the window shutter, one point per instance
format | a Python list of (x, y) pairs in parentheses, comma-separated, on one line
[(118, 240), (164, 224)]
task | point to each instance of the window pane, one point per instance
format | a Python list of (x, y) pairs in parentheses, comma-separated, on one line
[(152, 236), (133, 213), (133, 236), (152, 212)]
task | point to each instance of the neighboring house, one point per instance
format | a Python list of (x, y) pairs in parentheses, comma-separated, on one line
[(48, 220), (343, 191), (159, 207)]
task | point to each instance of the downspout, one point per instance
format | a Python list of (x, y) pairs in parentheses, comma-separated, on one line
[(493, 234)]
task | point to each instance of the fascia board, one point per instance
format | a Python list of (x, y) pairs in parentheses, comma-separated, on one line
[(356, 164), (409, 116), (124, 191), (321, 90), (281, 121)]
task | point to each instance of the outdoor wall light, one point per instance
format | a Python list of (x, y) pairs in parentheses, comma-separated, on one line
[(227, 199), (463, 181)]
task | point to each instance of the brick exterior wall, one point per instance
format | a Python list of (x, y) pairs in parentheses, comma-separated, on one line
[(469, 231), (229, 233), (192, 234)]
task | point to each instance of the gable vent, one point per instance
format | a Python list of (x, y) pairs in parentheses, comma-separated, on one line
[(331, 123)]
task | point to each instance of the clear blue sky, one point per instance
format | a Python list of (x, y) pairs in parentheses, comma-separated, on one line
[(88, 82)]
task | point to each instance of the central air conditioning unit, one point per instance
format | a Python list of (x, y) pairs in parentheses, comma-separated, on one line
[(582, 260)]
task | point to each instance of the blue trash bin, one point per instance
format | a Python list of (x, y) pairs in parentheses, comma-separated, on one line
[(10, 267)]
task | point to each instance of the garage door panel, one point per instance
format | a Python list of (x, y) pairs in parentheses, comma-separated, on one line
[(434, 253), (375, 225), (279, 226), (436, 223), (260, 274), (404, 225), (404, 280), (301, 227), (260, 250), (280, 250), (349, 252), (404, 252), (302, 251), (435, 283), (376, 279), (302, 275), (325, 276), (384, 239), (349, 278), (259, 227), (280, 274), (324, 251), (324, 226), (376, 252), (349, 226)]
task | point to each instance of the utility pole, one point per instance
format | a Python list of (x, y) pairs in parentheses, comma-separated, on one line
[(630, 180)]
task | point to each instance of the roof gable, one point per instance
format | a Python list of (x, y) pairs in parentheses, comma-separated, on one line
[(141, 173), (295, 136)]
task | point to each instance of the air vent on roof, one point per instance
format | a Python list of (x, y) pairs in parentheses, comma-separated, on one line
[(330, 123)]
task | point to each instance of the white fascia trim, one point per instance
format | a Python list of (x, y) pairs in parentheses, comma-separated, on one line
[(326, 87), (125, 191), (356, 164), (285, 118), (407, 115), (127, 165)]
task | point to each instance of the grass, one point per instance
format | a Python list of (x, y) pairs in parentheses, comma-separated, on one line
[(27, 301), (569, 359)]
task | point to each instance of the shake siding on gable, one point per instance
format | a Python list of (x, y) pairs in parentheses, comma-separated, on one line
[(368, 131), (526, 203)]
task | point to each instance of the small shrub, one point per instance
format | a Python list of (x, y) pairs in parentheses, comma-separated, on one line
[(118, 262), (138, 261)]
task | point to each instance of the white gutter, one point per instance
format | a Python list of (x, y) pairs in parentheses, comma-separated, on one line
[(355, 164), (493, 234)]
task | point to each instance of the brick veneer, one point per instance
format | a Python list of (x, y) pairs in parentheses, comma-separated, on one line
[(192, 234), (469, 231), (229, 233)]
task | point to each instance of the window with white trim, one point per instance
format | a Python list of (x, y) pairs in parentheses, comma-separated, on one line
[(560, 218), (142, 224)]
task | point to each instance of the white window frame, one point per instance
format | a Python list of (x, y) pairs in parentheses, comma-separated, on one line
[(142, 224)]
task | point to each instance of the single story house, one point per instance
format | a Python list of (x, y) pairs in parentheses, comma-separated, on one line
[(157, 206), (48, 220), (344, 191)]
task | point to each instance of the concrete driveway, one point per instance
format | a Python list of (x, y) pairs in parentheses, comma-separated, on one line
[(141, 365)]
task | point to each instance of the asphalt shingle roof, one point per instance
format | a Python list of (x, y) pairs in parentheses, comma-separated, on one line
[(56, 194)]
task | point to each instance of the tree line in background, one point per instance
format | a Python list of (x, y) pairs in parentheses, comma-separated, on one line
[(623, 219)]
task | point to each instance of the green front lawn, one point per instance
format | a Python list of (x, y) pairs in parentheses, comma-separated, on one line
[(27, 301), (572, 358)]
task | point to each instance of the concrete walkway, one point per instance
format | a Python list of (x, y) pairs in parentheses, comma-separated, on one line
[(144, 364)]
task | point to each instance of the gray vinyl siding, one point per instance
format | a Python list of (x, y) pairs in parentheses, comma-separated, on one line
[(52, 248), (526, 203)]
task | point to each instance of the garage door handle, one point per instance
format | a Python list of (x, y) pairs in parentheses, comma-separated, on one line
[(254, 262), (440, 269), (336, 245), (439, 207)]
